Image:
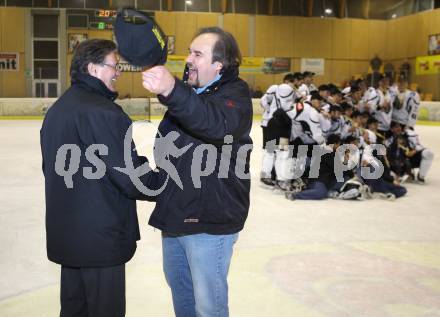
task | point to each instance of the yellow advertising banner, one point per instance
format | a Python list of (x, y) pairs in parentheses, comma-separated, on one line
[(252, 65), (249, 65), (428, 65), (176, 63)]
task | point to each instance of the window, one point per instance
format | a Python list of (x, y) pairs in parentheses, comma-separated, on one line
[(46, 26), (19, 3), (291, 8), (197, 6), (71, 3), (45, 69), (97, 4), (77, 20), (45, 54), (262, 7), (178, 5), (44, 4), (245, 6), (45, 49), (116, 4), (151, 5)]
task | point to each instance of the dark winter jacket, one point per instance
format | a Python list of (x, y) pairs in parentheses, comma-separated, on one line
[(93, 223), (220, 203)]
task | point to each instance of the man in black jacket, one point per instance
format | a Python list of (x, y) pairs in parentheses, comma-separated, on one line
[(91, 219), (211, 110)]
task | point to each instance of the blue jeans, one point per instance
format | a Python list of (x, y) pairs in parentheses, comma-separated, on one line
[(316, 191), (196, 269), (381, 186)]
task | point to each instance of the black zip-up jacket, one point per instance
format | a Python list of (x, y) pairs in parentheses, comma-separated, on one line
[(94, 223), (220, 204)]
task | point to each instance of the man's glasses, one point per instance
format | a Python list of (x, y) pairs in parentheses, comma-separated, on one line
[(115, 67)]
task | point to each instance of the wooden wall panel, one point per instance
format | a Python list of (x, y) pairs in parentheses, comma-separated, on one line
[(434, 19), (12, 40), (13, 83), (206, 20), (242, 33), (402, 28), (186, 27), (230, 23), (13, 30), (358, 68), (124, 84), (424, 30), (265, 81), (416, 42), (313, 37), (295, 64), (391, 39), (283, 35), (264, 36), (359, 39), (341, 38), (377, 38), (137, 89), (167, 21), (1, 49), (238, 26), (337, 71), (1, 27), (100, 34)]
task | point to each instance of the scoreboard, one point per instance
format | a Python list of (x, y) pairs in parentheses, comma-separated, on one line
[(100, 19)]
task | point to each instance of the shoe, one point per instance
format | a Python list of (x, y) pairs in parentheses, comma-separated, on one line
[(284, 185), (298, 185), (420, 180), (403, 179), (267, 182), (365, 192), (387, 196), (351, 194), (289, 195), (333, 194)]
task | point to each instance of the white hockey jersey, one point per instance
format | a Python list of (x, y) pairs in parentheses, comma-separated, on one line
[(369, 101), (406, 108), (305, 124), (303, 91), (413, 140), (269, 105), (384, 109)]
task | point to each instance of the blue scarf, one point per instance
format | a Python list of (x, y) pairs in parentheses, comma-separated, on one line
[(202, 89)]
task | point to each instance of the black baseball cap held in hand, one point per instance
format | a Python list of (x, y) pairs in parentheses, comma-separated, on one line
[(141, 42)]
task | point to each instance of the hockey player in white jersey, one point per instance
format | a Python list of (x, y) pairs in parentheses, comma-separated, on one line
[(307, 87), (336, 122), (422, 158), (405, 153), (406, 105), (269, 106), (306, 130), (335, 97), (353, 96), (369, 101), (277, 131), (297, 83), (384, 108)]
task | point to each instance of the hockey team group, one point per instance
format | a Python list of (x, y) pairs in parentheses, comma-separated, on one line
[(300, 121)]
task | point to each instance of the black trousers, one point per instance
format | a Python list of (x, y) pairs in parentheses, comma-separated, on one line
[(93, 292)]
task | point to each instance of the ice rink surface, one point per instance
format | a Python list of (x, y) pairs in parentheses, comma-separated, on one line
[(331, 258)]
